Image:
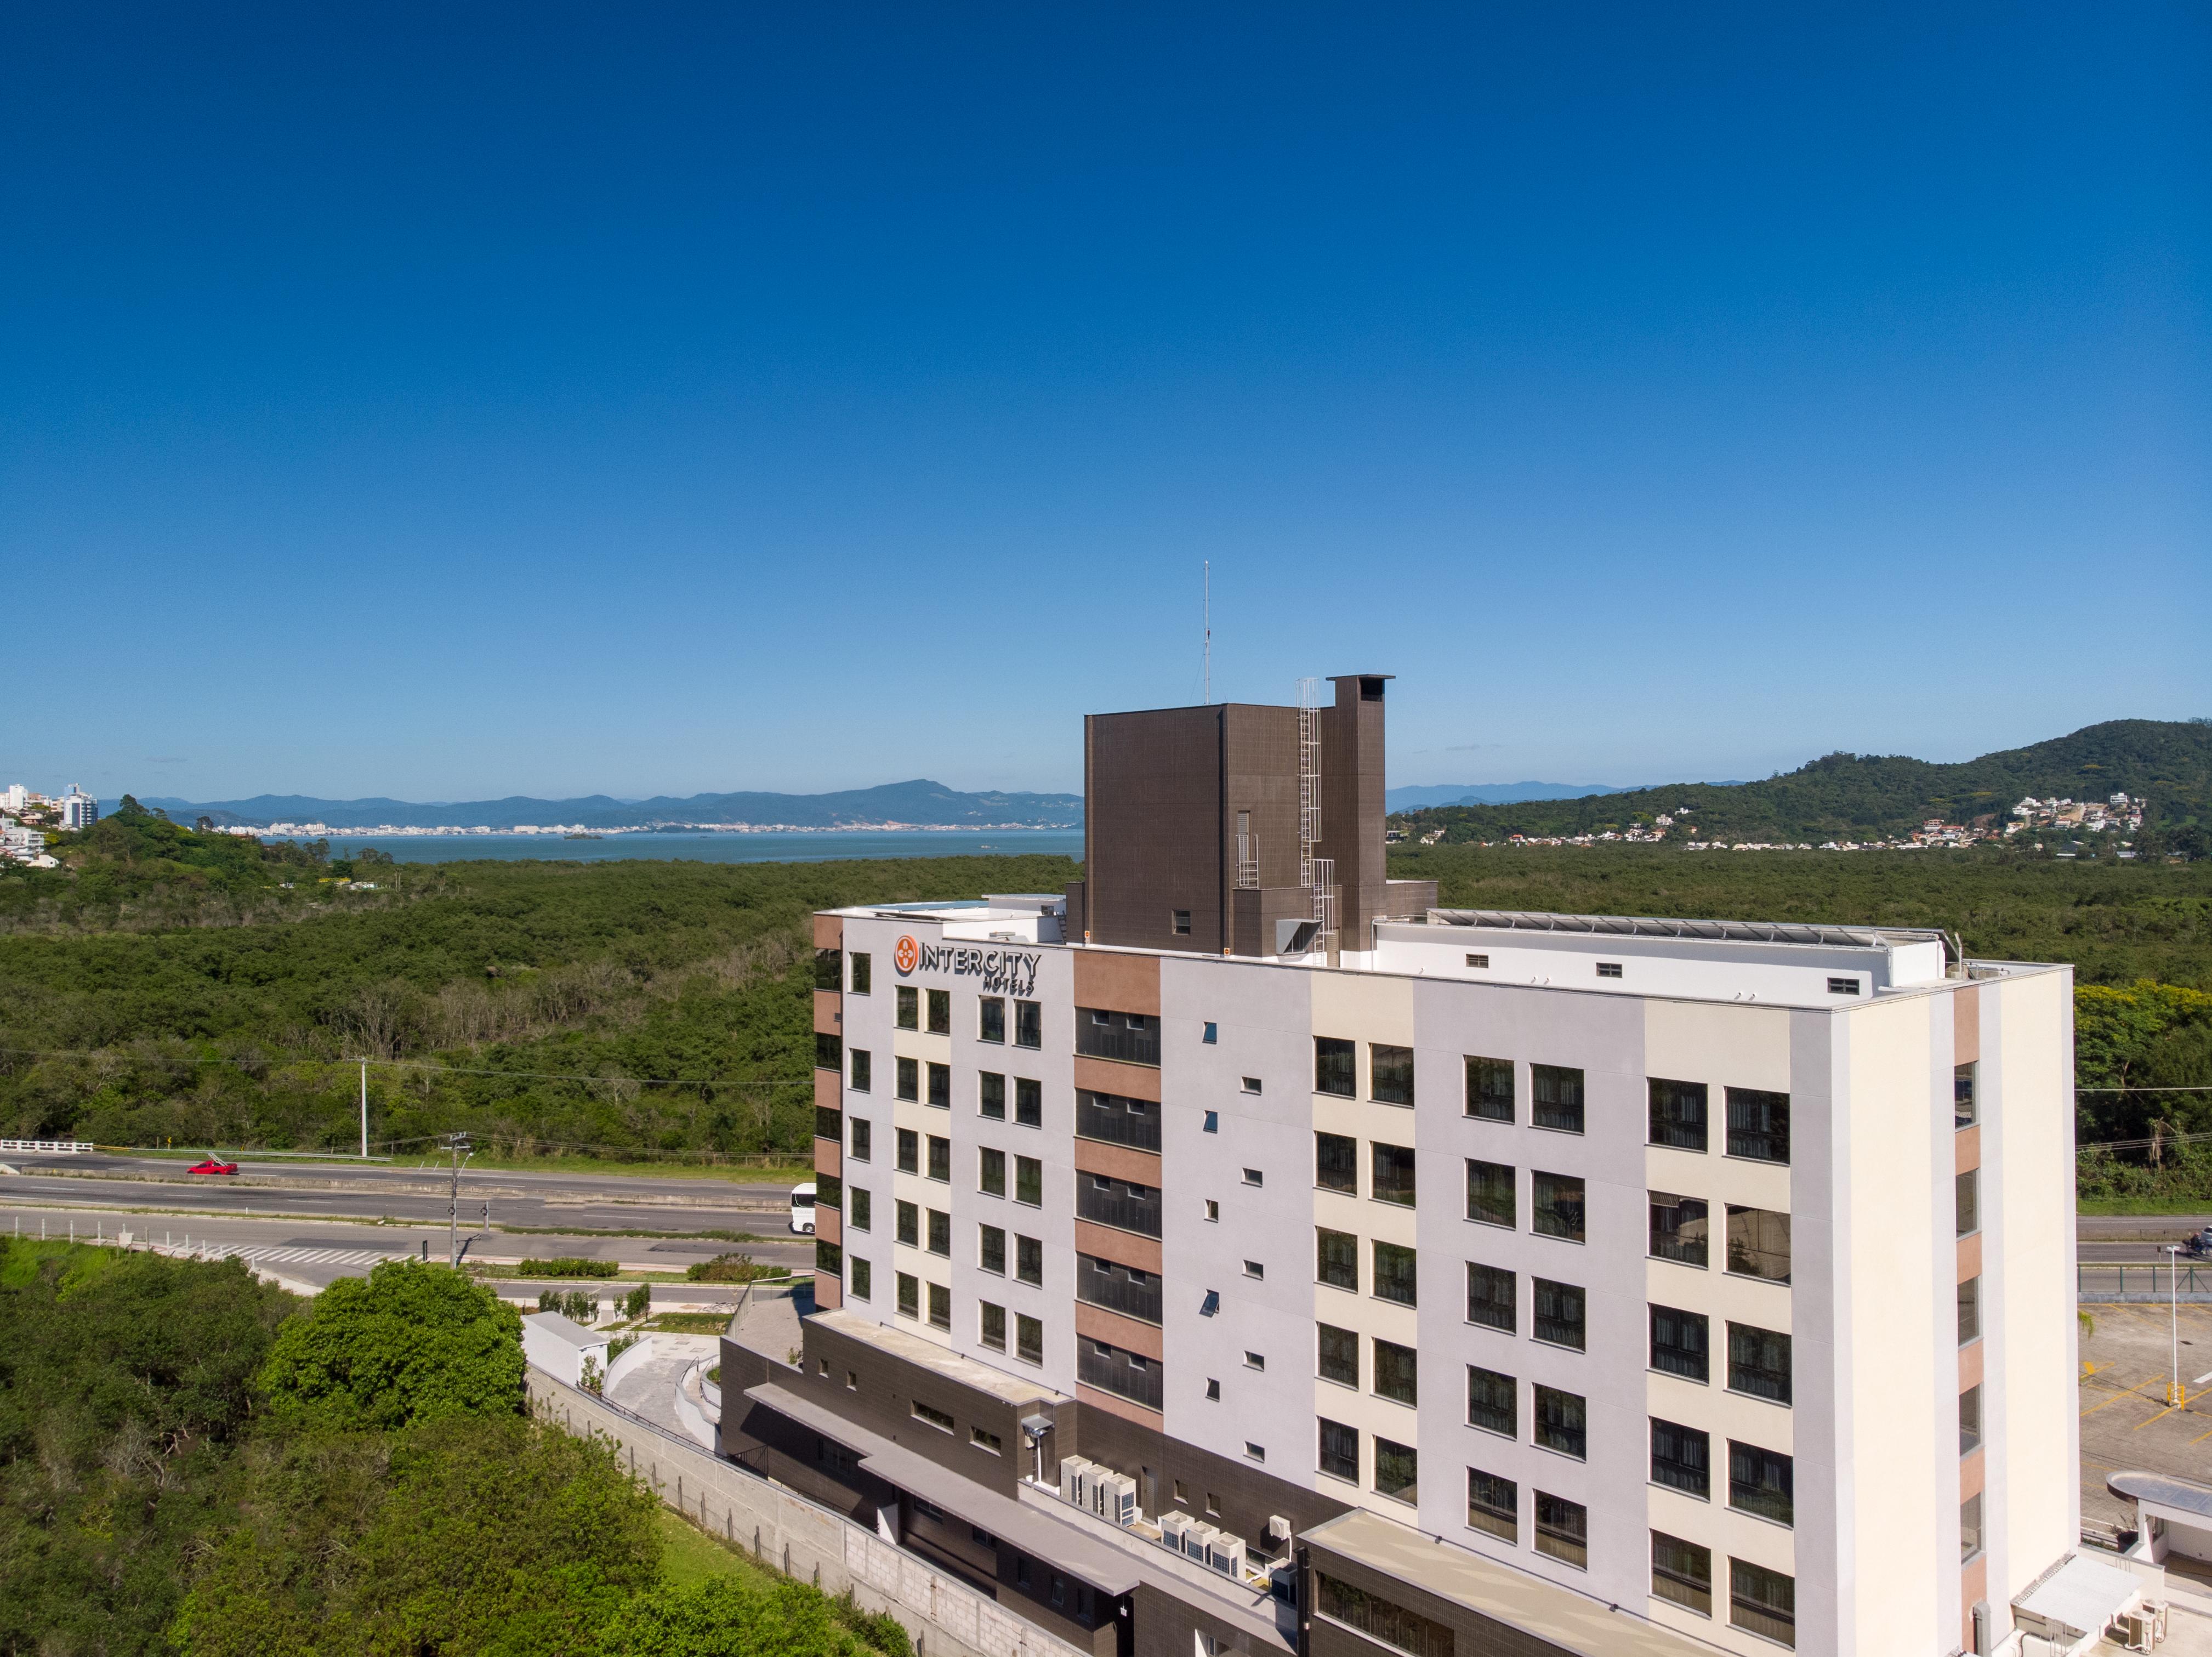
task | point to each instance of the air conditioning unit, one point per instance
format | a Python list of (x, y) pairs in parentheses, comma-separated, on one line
[(1197, 1539), (1279, 1529), (1071, 1487), (1114, 1497), (1174, 1526), (1226, 1553)]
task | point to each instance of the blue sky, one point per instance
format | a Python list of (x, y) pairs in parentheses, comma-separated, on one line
[(448, 402)]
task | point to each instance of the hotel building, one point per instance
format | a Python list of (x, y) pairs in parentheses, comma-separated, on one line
[(1238, 1250)]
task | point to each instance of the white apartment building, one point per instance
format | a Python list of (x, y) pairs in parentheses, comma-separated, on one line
[(1475, 1281)]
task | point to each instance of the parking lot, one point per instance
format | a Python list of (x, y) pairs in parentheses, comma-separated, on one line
[(2125, 1420)]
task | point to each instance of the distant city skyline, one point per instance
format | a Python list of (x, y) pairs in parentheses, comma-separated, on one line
[(463, 404)]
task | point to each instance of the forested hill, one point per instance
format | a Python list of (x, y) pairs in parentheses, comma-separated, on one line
[(1862, 795)]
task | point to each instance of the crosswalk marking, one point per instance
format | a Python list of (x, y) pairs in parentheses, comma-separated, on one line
[(263, 1255)]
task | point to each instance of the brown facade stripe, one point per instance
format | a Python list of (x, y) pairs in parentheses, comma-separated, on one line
[(1118, 1162), (1111, 1076), (1970, 1365), (828, 932), (829, 1225), (1966, 1150), (828, 1091), (1091, 1398), (1123, 1248), (1970, 1265), (1966, 1024), (1096, 1323), (828, 1291), (1117, 983), (828, 1013), (829, 1157)]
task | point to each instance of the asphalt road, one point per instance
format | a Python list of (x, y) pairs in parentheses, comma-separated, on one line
[(405, 1194), (318, 1252)]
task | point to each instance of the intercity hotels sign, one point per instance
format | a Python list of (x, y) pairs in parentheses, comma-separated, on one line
[(1007, 972)]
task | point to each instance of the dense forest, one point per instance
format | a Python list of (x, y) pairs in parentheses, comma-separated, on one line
[(193, 1462), (172, 985), (1847, 796)]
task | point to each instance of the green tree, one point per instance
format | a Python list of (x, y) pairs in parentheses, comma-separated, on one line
[(409, 1344), (462, 1536), (726, 1617), (126, 1383)]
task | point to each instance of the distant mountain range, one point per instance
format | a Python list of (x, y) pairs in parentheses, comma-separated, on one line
[(923, 803), (1493, 794), (1858, 795)]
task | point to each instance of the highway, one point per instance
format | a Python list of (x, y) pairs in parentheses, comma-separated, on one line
[(324, 1191)]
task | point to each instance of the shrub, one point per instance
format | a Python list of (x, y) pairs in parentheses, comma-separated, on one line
[(731, 1269), (567, 1265), (638, 1301)]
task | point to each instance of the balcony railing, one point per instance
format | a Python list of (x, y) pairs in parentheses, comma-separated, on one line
[(1118, 1205), (1114, 1291), (1120, 1121)]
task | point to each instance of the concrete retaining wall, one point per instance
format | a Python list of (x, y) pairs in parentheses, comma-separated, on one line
[(802, 1538)]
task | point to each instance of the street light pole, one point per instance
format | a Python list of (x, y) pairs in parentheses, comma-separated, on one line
[(459, 1144), (364, 1110), (2174, 1397)]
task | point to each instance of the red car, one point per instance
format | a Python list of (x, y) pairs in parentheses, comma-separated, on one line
[(212, 1165)]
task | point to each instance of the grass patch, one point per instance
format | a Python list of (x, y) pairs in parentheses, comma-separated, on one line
[(2146, 1205), (712, 1236), (689, 1556), (687, 1323)]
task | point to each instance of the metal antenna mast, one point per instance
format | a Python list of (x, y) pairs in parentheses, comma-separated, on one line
[(1207, 566)]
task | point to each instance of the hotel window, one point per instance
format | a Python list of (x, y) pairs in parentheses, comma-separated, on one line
[(940, 1085), (1562, 1530), (1029, 1181), (1964, 1078), (1213, 1391), (1397, 1470), (863, 1210), (1379, 1620), (1843, 986), (863, 975), (1255, 1361), (992, 1331), (1970, 1421), (1967, 1202), (991, 1255), (940, 1307), (1492, 1298), (1390, 1073), (1682, 1344), (1558, 1097), (1396, 1376), (1248, 1084), (1490, 1198), (1682, 1572), (1130, 1038), (828, 1052), (983, 1438), (1758, 1125), (940, 1159), (1029, 1103), (941, 1012), (1336, 1258), (1759, 1363), (991, 1095), (1029, 1338), (1336, 1163), (1555, 1203), (1680, 1228), (1479, 962), (1493, 1505), (1254, 1451), (908, 1219), (1179, 922), (1395, 1278), (1561, 1422), (934, 1417), (1212, 1123), (1970, 1526), (1492, 1402), (829, 1122), (1762, 1482), (829, 969), (1254, 1269), (1608, 969), (1336, 1067), (829, 1257), (907, 1013), (863, 1071), (1028, 1024), (1560, 1319), (910, 1294), (1209, 1037), (1682, 1459), (908, 1079), (863, 1279), (863, 1141), (991, 1171), (1763, 1602), (1970, 1310), (1759, 1244), (1337, 1355), (940, 1233), (990, 1017), (1490, 1088), (1029, 1260), (1340, 1450), (1678, 1114), (1391, 1167)]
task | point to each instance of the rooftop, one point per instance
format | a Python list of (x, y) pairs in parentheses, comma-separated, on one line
[(939, 1360)]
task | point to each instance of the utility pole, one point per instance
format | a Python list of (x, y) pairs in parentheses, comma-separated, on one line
[(364, 1110), (459, 1145), (1207, 613), (2175, 1397)]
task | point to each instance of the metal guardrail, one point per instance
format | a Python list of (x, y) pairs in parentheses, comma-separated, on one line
[(78, 1147), (2184, 1281)]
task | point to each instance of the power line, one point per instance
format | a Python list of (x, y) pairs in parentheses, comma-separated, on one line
[(2202, 1088), (420, 1064)]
